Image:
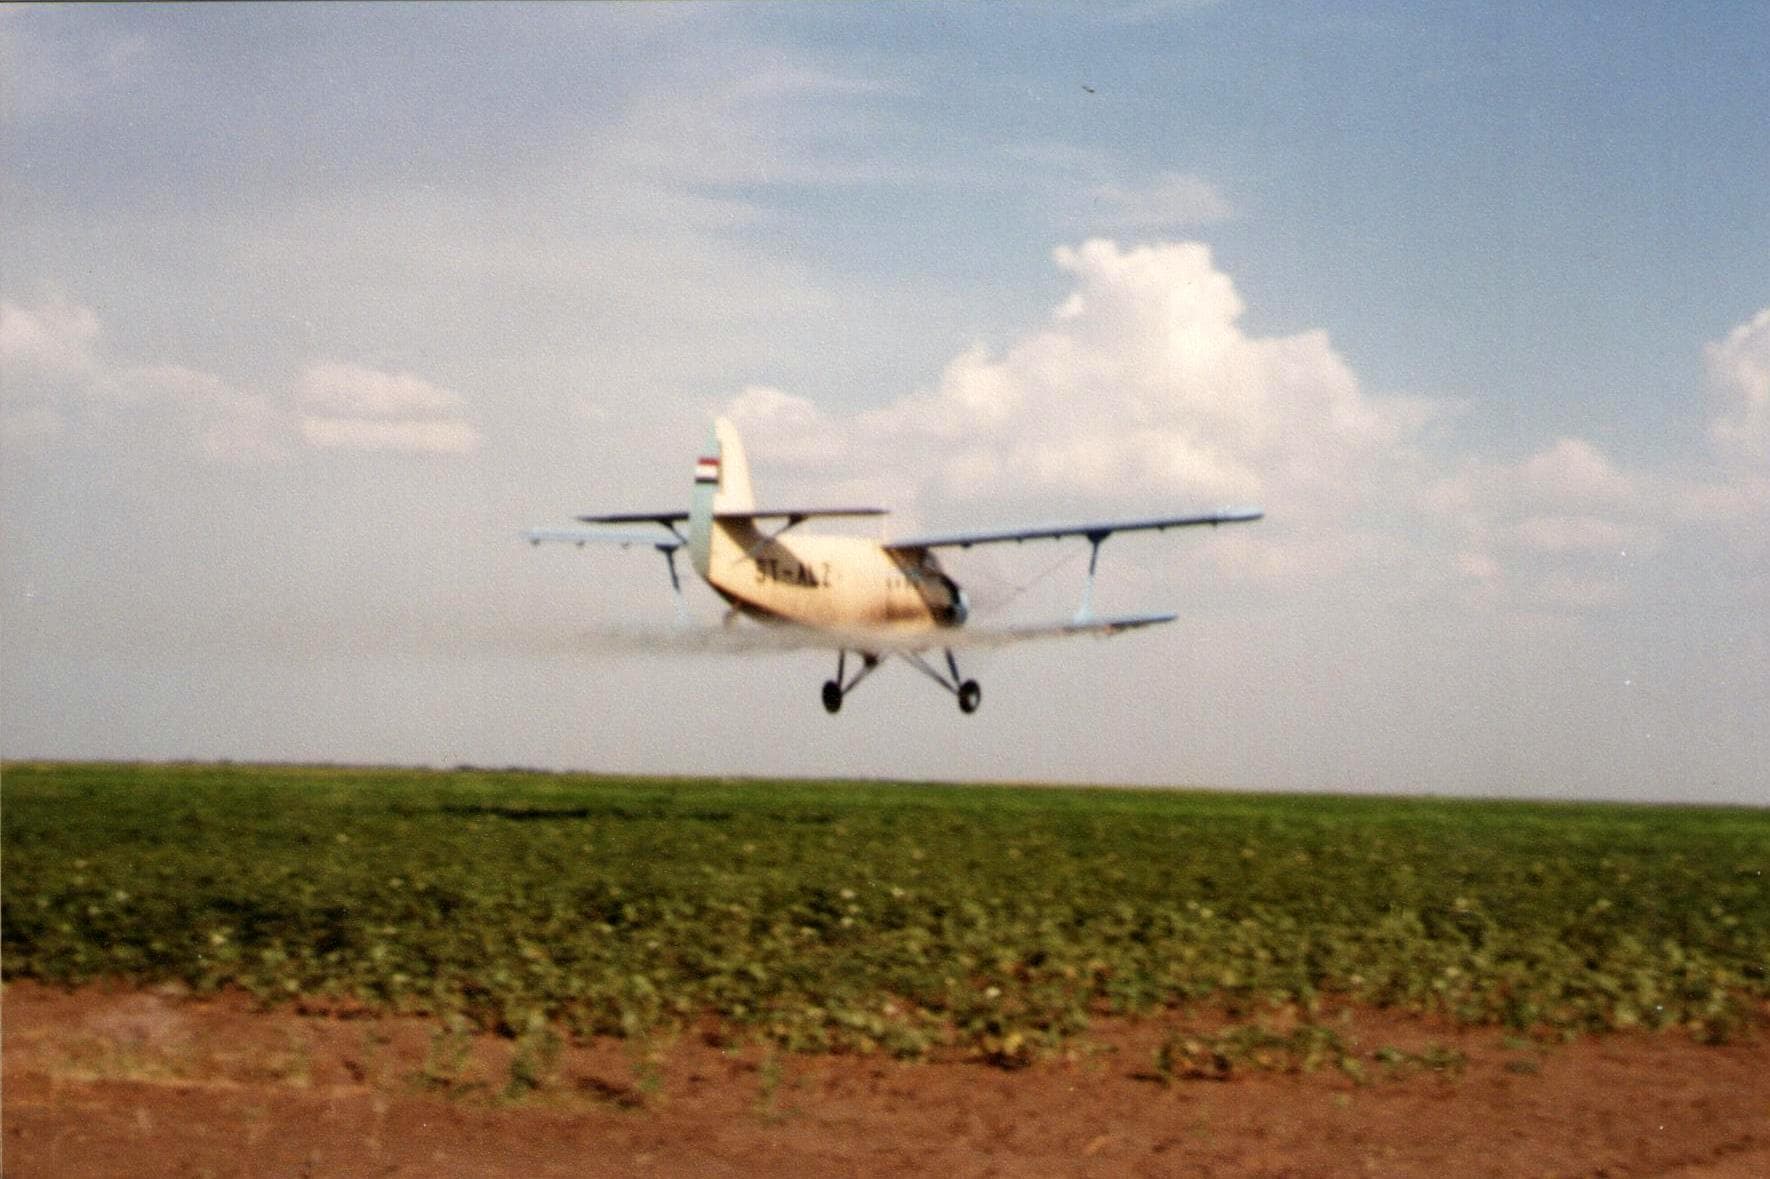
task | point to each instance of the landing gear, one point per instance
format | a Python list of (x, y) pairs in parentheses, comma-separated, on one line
[(969, 694), (837, 688)]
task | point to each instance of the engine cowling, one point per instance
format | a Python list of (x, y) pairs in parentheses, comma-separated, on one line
[(956, 607)]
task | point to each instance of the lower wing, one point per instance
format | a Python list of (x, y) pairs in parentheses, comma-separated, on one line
[(746, 639)]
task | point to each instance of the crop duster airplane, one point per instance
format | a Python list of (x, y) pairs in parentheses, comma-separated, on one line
[(858, 596)]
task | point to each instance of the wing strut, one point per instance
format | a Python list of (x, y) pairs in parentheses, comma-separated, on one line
[(669, 551), (666, 545), (1085, 612)]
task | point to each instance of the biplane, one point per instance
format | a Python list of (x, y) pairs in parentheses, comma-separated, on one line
[(861, 597)]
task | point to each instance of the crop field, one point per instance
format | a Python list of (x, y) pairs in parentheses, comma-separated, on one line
[(904, 919)]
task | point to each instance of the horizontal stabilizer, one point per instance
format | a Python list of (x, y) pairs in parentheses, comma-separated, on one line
[(799, 515), (1095, 532)]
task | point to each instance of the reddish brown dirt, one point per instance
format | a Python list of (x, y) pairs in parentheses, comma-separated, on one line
[(103, 1082)]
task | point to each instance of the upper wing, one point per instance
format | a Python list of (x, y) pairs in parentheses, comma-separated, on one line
[(665, 518), (669, 518), (1095, 532)]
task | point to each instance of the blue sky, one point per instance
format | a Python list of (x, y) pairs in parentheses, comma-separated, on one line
[(309, 309)]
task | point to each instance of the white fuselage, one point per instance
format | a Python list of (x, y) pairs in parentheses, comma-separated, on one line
[(831, 582)]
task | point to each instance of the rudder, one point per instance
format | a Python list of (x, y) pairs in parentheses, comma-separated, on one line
[(721, 484)]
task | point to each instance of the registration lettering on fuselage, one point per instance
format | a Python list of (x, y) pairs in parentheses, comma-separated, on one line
[(788, 571)]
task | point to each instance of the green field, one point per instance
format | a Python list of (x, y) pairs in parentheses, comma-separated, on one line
[(901, 918)]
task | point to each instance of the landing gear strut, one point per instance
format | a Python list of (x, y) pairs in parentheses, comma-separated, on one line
[(968, 692), (835, 689)]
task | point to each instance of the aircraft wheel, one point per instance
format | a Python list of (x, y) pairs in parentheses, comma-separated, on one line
[(832, 696), (970, 696)]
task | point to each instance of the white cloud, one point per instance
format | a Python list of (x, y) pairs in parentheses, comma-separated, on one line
[(54, 341), (441, 436), (1143, 391), (347, 406), (1172, 199), (1739, 370), (1574, 471), (353, 391), (1144, 388), (1567, 525), (58, 384), (807, 438), (1584, 534), (1558, 530)]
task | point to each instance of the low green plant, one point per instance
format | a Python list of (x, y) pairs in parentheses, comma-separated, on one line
[(534, 1058), (450, 1051), (769, 1073), (878, 917)]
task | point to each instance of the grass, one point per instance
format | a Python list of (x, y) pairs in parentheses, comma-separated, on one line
[(901, 918)]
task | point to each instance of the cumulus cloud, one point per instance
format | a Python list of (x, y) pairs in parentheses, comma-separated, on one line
[(1141, 392), (1144, 390), (61, 383), (1144, 387), (1564, 524), (351, 407), (1739, 371), (1574, 471), (808, 438), (1557, 529)]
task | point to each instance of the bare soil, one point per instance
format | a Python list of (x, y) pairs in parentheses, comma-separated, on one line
[(109, 1082)]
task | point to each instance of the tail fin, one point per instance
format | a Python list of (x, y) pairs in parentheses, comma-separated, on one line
[(721, 484)]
